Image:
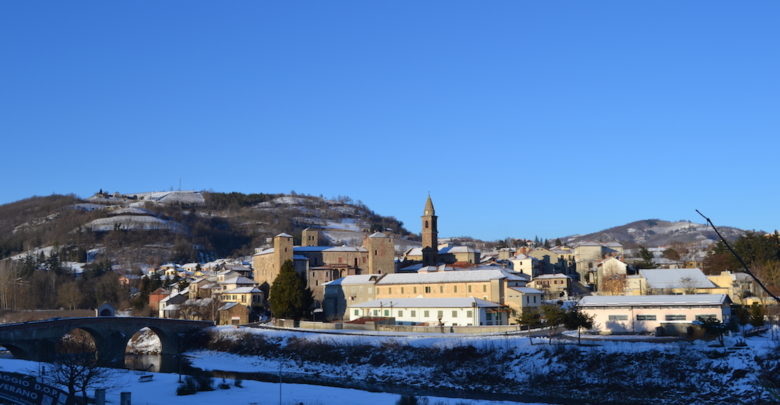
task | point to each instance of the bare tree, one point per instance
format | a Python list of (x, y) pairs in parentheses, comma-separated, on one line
[(76, 368), (613, 285), (69, 295)]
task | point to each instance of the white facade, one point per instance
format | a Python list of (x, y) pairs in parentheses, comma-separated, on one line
[(432, 311), (645, 313)]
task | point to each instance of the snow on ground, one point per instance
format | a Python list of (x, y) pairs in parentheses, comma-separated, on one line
[(133, 222), (172, 197), (34, 252), (162, 390)]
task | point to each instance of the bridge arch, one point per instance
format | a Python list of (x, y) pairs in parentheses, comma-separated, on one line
[(39, 340), (19, 352)]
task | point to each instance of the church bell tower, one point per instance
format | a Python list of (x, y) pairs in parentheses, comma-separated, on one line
[(430, 234)]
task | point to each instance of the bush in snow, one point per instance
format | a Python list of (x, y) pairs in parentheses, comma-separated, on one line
[(188, 387)]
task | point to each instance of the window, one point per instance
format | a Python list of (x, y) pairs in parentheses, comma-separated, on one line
[(618, 317), (645, 317), (455, 288), (414, 290), (439, 314), (402, 290), (389, 290), (427, 289), (414, 313), (534, 299), (484, 288), (454, 314), (675, 317), (706, 316), (469, 287), (469, 314), (357, 312), (441, 288), (426, 314), (489, 316), (387, 312), (376, 312), (400, 313)]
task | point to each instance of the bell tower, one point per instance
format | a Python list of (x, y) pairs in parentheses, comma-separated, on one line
[(430, 234)]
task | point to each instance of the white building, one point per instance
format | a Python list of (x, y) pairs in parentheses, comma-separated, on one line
[(432, 311), (645, 313)]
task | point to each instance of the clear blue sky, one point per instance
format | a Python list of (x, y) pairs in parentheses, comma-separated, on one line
[(521, 118)]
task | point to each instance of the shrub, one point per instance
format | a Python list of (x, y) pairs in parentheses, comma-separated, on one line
[(205, 382), (238, 383), (188, 387)]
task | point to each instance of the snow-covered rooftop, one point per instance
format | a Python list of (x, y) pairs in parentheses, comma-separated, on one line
[(457, 249), (527, 290), (304, 249), (652, 300), (449, 276), (548, 276), (243, 290), (465, 302), (357, 279), (238, 280), (676, 278)]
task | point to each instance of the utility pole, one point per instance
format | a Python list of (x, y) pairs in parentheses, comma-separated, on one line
[(280, 381)]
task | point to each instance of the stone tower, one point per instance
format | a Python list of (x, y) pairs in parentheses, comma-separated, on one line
[(310, 237), (430, 234), (283, 251), (381, 254)]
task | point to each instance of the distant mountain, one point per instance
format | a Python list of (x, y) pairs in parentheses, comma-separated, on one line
[(140, 229), (657, 232)]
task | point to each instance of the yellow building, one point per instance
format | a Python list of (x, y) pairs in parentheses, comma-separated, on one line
[(249, 296), (494, 285), (554, 286), (742, 289)]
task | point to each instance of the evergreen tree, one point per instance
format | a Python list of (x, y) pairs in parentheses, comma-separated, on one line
[(289, 297), (576, 319), (756, 315)]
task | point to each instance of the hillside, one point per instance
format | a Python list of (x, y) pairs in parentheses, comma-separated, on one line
[(183, 226), (657, 232)]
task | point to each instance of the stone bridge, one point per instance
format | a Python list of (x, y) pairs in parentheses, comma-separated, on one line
[(39, 340)]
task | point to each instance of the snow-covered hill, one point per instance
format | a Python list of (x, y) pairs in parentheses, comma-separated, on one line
[(657, 232)]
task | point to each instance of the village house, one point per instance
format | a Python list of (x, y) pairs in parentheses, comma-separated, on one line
[(553, 286), (588, 255), (526, 264), (465, 311), (343, 292), (233, 313), (742, 289), (670, 314), (155, 297)]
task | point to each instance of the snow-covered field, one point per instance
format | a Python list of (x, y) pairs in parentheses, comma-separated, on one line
[(162, 391)]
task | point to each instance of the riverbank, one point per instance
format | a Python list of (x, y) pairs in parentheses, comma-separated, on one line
[(508, 367)]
